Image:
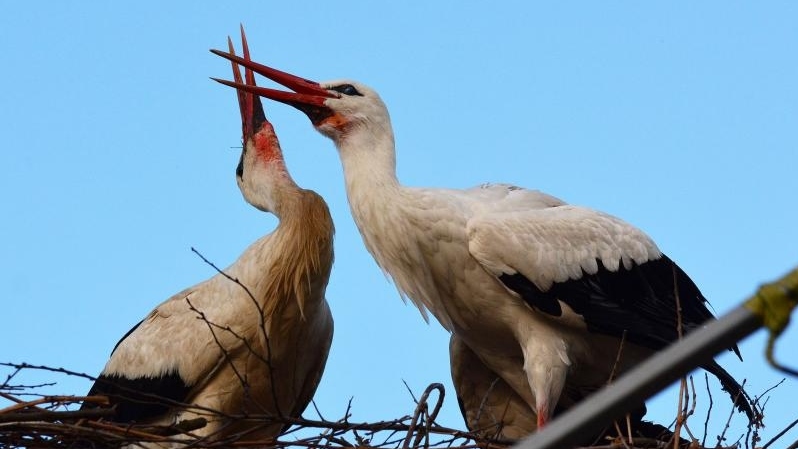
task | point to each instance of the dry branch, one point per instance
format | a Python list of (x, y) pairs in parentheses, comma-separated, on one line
[(53, 422)]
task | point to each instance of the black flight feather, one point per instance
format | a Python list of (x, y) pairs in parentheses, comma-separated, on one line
[(640, 301), (139, 399)]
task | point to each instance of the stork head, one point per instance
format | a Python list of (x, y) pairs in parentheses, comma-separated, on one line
[(261, 170), (338, 109)]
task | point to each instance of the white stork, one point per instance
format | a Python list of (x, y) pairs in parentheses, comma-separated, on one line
[(256, 345), (540, 291)]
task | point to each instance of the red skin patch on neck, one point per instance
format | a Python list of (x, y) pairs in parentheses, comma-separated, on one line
[(336, 120), (267, 144)]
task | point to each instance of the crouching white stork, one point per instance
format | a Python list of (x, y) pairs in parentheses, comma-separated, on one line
[(542, 292), (254, 346)]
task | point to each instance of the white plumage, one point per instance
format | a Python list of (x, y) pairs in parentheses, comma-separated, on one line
[(534, 290), (553, 244), (252, 341)]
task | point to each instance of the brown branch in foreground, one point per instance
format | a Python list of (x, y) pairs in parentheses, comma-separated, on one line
[(33, 424), (48, 422), (65, 415)]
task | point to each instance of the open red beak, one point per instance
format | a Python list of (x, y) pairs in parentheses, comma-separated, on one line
[(252, 115), (308, 96)]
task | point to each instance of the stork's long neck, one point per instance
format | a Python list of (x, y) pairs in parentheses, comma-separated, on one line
[(294, 261), (388, 216), (369, 162), (298, 255)]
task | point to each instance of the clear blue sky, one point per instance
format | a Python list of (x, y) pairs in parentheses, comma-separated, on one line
[(119, 156)]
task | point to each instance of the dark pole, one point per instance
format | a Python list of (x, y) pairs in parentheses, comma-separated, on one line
[(770, 307)]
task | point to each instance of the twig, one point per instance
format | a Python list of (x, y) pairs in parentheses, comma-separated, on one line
[(726, 427), (23, 365), (61, 429), (138, 395), (682, 382), (410, 390), (225, 353), (262, 325), (316, 408), (689, 413), (430, 419), (780, 434), (679, 417), (483, 402), (709, 410), (50, 416), (620, 435)]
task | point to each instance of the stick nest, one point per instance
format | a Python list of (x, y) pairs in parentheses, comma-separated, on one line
[(55, 421)]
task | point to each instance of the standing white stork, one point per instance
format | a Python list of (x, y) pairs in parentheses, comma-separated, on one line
[(542, 292), (251, 341)]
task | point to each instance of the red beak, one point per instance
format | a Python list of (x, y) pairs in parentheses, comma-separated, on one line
[(308, 96), (252, 115)]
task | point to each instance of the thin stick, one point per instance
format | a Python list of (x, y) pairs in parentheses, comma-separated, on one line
[(780, 434), (262, 325)]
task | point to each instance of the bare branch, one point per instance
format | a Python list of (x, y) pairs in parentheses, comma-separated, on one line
[(262, 326), (780, 434)]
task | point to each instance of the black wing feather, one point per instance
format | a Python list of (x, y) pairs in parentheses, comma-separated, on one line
[(640, 302), (139, 399)]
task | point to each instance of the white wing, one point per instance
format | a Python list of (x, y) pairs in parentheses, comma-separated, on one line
[(555, 244), (172, 351), (172, 339)]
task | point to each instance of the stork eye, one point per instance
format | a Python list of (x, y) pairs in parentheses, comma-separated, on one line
[(347, 89)]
